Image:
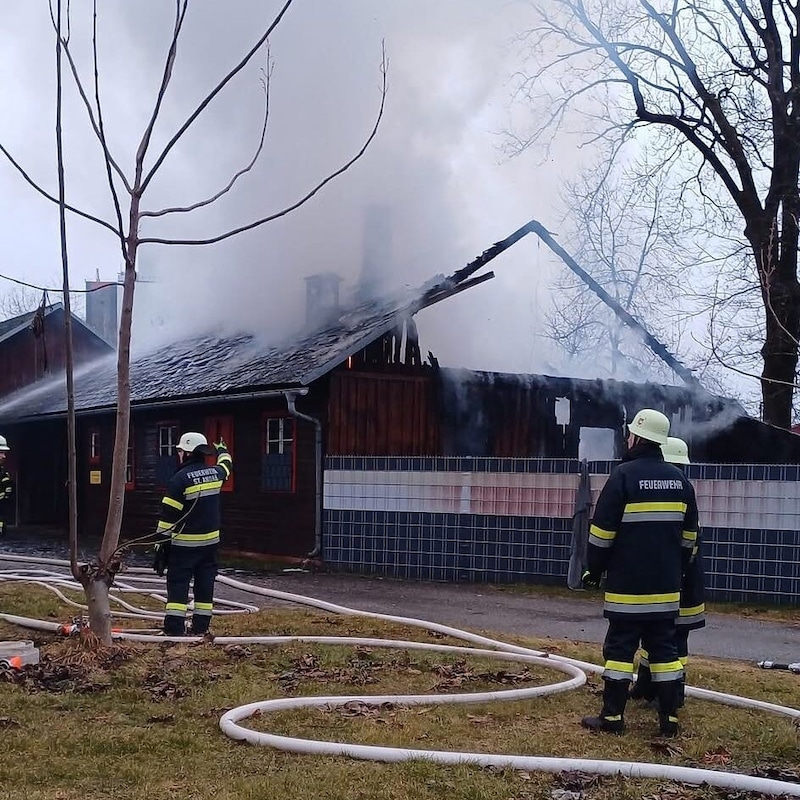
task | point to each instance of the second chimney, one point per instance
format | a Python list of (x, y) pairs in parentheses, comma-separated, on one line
[(322, 300)]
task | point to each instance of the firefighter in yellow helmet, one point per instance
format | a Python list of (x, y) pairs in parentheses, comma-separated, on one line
[(189, 529), (6, 486), (692, 614), (642, 535)]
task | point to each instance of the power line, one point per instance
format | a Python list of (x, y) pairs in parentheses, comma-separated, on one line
[(59, 289)]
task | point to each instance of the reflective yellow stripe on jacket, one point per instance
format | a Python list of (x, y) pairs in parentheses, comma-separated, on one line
[(654, 512), (642, 603), (600, 537)]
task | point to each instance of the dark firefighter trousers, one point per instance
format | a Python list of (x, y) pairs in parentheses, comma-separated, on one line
[(657, 636), (187, 565), (645, 687)]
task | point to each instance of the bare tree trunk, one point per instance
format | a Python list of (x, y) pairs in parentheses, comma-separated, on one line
[(98, 576), (780, 291), (108, 564)]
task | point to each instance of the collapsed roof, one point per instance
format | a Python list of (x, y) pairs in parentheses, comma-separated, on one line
[(217, 364)]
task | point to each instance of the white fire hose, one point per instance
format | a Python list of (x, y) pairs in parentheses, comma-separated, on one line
[(229, 723)]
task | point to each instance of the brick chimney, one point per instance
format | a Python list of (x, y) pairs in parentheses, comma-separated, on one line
[(322, 300)]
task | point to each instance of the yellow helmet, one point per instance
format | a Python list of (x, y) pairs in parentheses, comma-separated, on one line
[(676, 451), (651, 425)]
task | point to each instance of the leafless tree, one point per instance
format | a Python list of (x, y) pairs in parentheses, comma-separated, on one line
[(128, 191), (22, 298), (19, 300), (619, 232), (716, 83)]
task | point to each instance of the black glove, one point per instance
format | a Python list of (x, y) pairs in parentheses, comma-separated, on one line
[(161, 558), (590, 581)]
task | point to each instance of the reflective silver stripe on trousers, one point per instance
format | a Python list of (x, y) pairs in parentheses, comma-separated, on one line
[(641, 608), (597, 542), (174, 613), (203, 543), (653, 516), (690, 620), (664, 677), (617, 675), (202, 612)]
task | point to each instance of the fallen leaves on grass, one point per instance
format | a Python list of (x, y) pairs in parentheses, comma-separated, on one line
[(458, 674), (718, 757), (58, 675), (777, 773), (161, 688), (667, 748)]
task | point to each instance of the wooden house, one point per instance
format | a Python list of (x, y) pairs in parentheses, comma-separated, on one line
[(32, 346), (357, 386)]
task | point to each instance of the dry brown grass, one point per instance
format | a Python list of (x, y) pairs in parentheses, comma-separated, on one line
[(141, 721)]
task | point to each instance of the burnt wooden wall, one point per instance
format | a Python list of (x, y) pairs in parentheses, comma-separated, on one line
[(26, 358), (378, 414)]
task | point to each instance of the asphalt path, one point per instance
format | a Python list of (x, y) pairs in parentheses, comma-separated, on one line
[(490, 609), (499, 610)]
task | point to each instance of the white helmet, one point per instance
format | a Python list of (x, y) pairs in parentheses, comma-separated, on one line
[(651, 425), (4, 448), (195, 441), (675, 451)]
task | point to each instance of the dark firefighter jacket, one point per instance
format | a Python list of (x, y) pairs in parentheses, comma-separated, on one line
[(6, 488), (692, 613), (642, 535), (190, 510)]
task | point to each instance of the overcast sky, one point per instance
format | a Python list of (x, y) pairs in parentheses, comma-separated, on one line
[(436, 165)]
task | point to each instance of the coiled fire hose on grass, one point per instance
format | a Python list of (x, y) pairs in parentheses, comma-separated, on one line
[(575, 670)]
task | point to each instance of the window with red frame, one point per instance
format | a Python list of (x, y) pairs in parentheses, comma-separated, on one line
[(278, 454)]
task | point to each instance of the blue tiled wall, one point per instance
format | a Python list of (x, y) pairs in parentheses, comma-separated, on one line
[(383, 517)]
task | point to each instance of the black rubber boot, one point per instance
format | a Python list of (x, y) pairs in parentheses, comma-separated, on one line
[(199, 625), (668, 695), (174, 626), (612, 715), (643, 689), (681, 692)]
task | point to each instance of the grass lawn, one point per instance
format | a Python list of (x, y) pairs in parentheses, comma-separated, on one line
[(141, 721)]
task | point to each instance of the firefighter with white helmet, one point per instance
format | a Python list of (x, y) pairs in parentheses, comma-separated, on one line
[(6, 486), (692, 614), (189, 532), (641, 537)]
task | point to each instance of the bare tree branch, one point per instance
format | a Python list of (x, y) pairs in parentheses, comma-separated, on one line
[(102, 134), (88, 105), (14, 163), (181, 7), (72, 489), (304, 199), (237, 175), (214, 92)]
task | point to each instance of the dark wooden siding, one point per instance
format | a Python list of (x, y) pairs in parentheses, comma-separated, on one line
[(26, 358), (253, 520), (375, 414), (38, 465)]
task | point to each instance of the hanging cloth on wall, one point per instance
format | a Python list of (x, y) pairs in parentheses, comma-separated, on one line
[(37, 326), (580, 529)]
